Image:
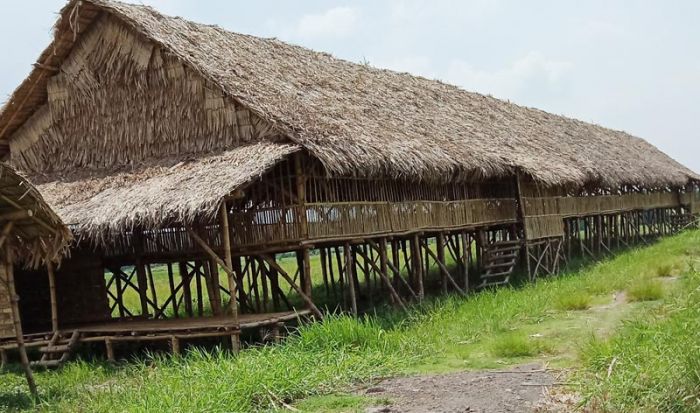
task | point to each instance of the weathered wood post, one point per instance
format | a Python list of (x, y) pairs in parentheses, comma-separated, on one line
[(525, 252), (349, 276), (440, 245), (141, 277), (52, 295), (303, 224), (9, 282), (417, 265), (466, 253)]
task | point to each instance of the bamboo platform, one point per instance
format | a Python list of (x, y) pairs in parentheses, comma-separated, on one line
[(172, 330)]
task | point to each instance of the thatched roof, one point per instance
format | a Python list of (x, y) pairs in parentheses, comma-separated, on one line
[(37, 233), (354, 118), (167, 191)]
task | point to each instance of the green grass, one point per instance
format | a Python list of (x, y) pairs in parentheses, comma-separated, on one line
[(646, 290), (321, 362), (666, 270), (577, 301), (515, 345), (653, 363)]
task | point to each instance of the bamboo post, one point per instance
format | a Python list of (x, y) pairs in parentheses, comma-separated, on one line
[(52, 295), (109, 349), (303, 222), (349, 277), (186, 291), (299, 291), (141, 276), (417, 266), (466, 252), (152, 287), (16, 319), (440, 245), (522, 218), (384, 266)]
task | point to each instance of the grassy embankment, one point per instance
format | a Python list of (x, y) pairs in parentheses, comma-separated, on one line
[(571, 321)]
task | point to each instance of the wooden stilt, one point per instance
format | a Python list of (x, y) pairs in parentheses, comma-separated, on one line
[(173, 291), (9, 281), (440, 258), (417, 266), (349, 276), (152, 287), (52, 296), (309, 303), (109, 350), (186, 291)]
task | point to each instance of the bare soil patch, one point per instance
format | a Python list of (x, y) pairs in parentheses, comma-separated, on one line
[(520, 389)]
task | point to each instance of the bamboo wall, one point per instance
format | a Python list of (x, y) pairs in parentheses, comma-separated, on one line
[(544, 215), (7, 328), (80, 290), (105, 104)]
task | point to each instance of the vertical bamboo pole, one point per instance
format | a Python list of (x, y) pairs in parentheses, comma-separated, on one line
[(152, 286), (384, 265), (466, 252), (226, 239), (52, 295), (16, 319), (417, 265), (349, 277), (141, 276), (440, 244), (303, 223), (522, 218), (186, 291), (173, 294)]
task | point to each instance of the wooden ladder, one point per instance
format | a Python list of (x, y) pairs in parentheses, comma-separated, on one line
[(55, 353), (499, 261)]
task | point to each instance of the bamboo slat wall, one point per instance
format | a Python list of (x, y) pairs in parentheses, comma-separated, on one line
[(544, 215), (348, 219), (7, 328)]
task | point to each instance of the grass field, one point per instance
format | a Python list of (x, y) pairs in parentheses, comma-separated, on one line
[(657, 351)]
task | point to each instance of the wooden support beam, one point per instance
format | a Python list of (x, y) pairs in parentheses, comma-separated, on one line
[(17, 215), (440, 258), (6, 230), (228, 260), (349, 276), (384, 277), (9, 281), (466, 253), (52, 296), (445, 271), (417, 265), (299, 291), (397, 272)]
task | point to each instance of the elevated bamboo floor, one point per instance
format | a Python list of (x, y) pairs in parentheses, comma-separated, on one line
[(142, 330)]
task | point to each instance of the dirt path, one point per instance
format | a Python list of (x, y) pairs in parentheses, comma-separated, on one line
[(520, 389)]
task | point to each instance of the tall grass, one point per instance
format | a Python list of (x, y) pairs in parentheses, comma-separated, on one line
[(653, 364), (328, 357)]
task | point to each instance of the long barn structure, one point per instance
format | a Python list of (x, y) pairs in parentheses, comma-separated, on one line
[(183, 148)]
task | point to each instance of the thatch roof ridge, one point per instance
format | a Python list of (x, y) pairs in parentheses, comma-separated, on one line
[(317, 130), (367, 121)]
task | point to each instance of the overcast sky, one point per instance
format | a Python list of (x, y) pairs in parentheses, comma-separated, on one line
[(630, 65)]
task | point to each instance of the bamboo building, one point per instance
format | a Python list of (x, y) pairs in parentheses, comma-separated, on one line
[(164, 143)]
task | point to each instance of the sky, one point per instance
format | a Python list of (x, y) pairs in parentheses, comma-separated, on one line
[(632, 65)]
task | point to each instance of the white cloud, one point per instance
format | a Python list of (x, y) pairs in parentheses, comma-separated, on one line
[(530, 77), (338, 21)]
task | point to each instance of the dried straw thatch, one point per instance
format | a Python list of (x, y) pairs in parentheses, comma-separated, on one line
[(165, 191), (204, 90), (40, 234)]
